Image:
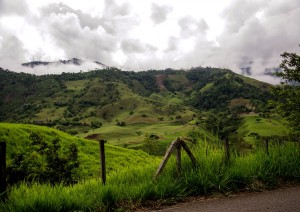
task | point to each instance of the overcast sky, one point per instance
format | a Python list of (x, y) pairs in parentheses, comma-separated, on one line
[(150, 34)]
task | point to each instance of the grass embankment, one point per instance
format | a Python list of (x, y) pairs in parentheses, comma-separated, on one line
[(135, 185), (17, 137)]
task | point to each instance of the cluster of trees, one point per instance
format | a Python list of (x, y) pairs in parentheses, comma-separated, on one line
[(287, 95), (222, 124), (224, 90)]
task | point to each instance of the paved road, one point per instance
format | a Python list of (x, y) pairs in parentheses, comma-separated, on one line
[(285, 199)]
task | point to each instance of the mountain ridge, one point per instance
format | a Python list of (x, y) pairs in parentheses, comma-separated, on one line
[(78, 103)]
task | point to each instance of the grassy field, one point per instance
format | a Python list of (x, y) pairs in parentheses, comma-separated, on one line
[(254, 125), (17, 138), (269, 126), (134, 186), (135, 134)]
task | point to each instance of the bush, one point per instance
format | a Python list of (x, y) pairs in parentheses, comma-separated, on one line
[(96, 124), (44, 162), (121, 124), (178, 117)]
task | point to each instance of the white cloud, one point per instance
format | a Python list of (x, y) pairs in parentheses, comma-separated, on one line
[(139, 35), (159, 13)]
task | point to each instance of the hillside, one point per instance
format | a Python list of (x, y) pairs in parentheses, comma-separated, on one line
[(19, 141), (254, 128), (125, 108), (135, 187)]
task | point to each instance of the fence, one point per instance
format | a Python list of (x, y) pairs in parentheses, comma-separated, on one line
[(177, 145)]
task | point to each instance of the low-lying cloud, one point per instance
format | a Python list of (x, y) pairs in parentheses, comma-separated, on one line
[(155, 36)]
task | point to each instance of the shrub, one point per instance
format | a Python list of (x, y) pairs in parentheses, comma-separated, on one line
[(121, 123), (44, 162), (96, 124)]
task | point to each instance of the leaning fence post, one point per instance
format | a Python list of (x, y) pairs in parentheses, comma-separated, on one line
[(226, 145), (166, 157), (189, 153), (2, 169), (178, 156), (102, 158)]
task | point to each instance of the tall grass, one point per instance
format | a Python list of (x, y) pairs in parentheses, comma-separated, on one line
[(135, 185)]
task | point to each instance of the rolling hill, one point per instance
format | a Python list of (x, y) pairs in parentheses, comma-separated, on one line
[(124, 107), (19, 142)]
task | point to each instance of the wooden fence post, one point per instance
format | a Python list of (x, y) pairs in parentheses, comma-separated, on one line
[(102, 158), (175, 144), (178, 157), (267, 145), (226, 145), (189, 153), (2, 169), (166, 157)]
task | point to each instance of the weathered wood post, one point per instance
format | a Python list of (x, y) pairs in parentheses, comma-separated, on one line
[(2, 169), (226, 146), (189, 153), (267, 145), (177, 144), (166, 157), (178, 157), (102, 159)]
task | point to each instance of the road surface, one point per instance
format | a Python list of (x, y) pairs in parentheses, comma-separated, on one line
[(279, 200)]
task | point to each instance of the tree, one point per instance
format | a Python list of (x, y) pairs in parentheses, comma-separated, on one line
[(150, 143), (290, 66), (287, 95), (96, 124), (222, 124)]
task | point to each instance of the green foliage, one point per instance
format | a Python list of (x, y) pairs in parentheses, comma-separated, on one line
[(150, 143), (290, 67), (121, 123), (19, 143), (44, 161), (287, 101), (135, 185), (253, 129), (96, 124), (222, 124), (225, 89), (55, 100)]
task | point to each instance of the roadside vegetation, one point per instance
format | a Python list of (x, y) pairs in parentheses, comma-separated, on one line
[(34, 150), (134, 185), (56, 167)]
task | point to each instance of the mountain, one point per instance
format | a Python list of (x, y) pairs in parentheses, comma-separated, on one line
[(119, 104)]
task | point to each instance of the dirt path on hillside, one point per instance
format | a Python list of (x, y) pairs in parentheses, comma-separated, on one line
[(279, 200)]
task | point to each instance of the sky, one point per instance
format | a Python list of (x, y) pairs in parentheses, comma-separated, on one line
[(150, 34)]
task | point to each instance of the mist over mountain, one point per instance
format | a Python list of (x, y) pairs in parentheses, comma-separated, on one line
[(266, 75), (73, 61), (73, 65)]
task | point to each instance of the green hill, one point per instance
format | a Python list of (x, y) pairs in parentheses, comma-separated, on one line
[(123, 107), (254, 127), (18, 139), (82, 95)]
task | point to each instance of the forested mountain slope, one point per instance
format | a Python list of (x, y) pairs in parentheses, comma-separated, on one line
[(88, 100)]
